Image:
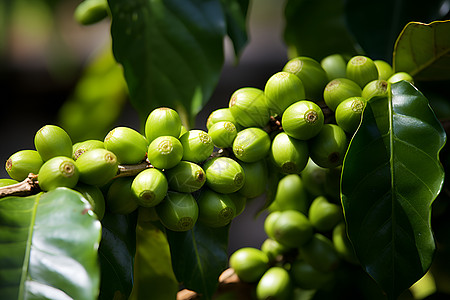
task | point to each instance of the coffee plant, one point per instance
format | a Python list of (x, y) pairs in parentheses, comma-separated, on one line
[(343, 148)]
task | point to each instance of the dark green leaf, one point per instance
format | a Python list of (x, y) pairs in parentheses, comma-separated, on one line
[(48, 247), (171, 52), (423, 50), (377, 24), (236, 16), (153, 274), (317, 29), (391, 176), (116, 254), (199, 256)]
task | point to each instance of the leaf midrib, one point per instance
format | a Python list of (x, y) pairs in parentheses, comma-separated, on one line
[(26, 261), (391, 161)]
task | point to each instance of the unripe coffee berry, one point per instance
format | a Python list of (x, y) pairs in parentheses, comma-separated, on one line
[(328, 148), (292, 228), (276, 283), (320, 253), (150, 187), (178, 211), (59, 171), (362, 70), (165, 152), (249, 263), (220, 115), (342, 244), (94, 196), (288, 154), (223, 134), (22, 163), (249, 108), (269, 223), (302, 120), (120, 199), (281, 90), (306, 277), (51, 141), (291, 194), (256, 179), (384, 69), (97, 166), (197, 145), (273, 249), (7, 182), (215, 209), (375, 88), (186, 177), (240, 201), (91, 11), (127, 144), (399, 76), (348, 113), (311, 73), (251, 144), (162, 121), (224, 175), (81, 147), (338, 90), (334, 65), (323, 215)]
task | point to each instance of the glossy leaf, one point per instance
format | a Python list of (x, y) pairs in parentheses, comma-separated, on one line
[(423, 50), (199, 256), (391, 176), (153, 274), (317, 29), (48, 247), (236, 16), (376, 25), (116, 255), (171, 52)]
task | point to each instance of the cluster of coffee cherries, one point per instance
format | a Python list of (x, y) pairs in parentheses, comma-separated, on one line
[(301, 123)]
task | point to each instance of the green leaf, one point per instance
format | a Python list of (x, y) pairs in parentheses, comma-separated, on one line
[(236, 16), (391, 176), (48, 247), (153, 274), (199, 256), (116, 254), (171, 52), (423, 50), (317, 29)]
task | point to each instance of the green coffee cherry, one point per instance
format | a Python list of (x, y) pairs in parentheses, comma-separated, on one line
[(348, 113), (150, 187), (292, 229), (90, 12), (127, 144), (81, 147), (215, 209), (249, 263), (323, 215), (362, 70), (240, 202), (342, 244), (306, 277), (256, 178), (399, 76), (251, 144), (273, 249), (119, 197), (224, 175), (186, 177), (291, 194), (178, 211), (302, 120), (334, 65), (220, 115), (162, 121), (249, 108), (94, 196), (197, 145), (165, 152), (7, 182), (275, 284), (97, 166), (51, 141), (311, 73), (288, 154), (59, 171), (223, 134), (314, 178), (338, 90), (328, 148), (269, 223), (320, 253), (375, 88), (384, 69), (283, 89), (22, 163)]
